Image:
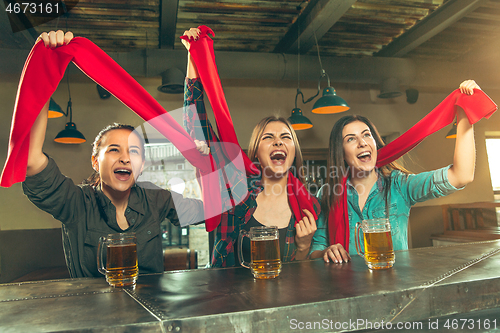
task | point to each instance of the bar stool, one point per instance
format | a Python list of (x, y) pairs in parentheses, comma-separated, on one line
[(180, 259)]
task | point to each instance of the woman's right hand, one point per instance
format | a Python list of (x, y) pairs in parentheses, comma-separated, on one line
[(336, 253), (193, 34), (57, 38)]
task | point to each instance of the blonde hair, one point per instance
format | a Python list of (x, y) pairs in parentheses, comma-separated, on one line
[(257, 134)]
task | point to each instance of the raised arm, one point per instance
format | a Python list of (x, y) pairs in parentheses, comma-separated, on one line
[(464, 158), (195, 116), (37, 161)]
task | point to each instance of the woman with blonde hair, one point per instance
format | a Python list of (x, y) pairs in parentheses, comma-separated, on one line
[(275, 151)]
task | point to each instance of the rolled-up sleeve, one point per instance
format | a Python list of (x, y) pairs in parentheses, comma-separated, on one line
[(426, 185)]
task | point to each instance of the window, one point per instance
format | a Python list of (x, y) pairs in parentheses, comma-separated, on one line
[(493, 152), (165, 164)]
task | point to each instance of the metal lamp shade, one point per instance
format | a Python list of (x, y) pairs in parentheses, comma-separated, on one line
[(172, 81), (330, 103), (452, 134), (70, 135), (298, 121), (389, 88), (55, 110)]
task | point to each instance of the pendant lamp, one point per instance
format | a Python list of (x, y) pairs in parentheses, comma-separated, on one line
[(70, 135), (55, 111), (329, 102), (452, 134), (297, 119)]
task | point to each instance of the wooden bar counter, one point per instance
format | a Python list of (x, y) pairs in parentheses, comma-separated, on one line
[(425, 285)]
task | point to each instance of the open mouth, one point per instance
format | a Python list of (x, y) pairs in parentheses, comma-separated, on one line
[(365, 156), (123, 174), (278, 157)]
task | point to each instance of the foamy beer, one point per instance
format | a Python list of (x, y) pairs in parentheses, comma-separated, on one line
[(377, 239), (265, 256), (121, 259)]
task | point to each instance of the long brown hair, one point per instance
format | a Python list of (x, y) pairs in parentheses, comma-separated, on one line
[(255, 140), (338, 167), (95, 178)]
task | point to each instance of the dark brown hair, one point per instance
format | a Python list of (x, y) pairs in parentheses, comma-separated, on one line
[(337, 165)]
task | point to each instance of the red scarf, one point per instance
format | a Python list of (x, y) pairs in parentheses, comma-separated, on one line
[(202, 53), (43, 70), (476, 106)]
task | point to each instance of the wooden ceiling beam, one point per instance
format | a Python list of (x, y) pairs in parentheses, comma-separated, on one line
[(168, 22), (316, 19), (437, 21)]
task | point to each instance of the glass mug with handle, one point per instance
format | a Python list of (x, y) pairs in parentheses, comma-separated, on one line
[(121, 259), (265, 256), (377, 239)]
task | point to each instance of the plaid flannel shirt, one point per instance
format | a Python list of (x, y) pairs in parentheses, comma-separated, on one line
[(234, 216)]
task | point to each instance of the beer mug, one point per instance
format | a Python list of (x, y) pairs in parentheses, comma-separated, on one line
[(265, 256), (121, 259), (379, 253)]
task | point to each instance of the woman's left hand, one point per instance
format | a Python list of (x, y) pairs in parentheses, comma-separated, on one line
[(305, 230), (202, 147), (193, 34), (468, 86)]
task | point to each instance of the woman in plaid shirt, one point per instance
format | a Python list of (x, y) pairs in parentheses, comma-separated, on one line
[(255, 200)]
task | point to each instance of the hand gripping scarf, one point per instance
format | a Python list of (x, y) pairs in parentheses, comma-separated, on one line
[(476, 106), (202, 53), (43, 70)]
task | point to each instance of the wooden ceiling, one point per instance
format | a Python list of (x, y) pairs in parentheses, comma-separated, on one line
[(438, 29)]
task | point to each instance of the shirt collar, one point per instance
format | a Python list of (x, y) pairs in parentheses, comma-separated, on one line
[(379, 183), (134, 200)]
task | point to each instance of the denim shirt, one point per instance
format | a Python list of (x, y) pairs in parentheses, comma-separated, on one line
[(405, 191)]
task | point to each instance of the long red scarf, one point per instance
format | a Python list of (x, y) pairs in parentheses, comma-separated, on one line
[(476, 106), (202, 53), (43, 70)]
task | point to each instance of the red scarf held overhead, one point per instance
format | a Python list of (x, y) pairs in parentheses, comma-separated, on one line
[(43, 70), (476, 107), (202, 53)]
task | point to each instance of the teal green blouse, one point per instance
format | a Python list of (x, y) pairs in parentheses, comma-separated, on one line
[(405, 191)]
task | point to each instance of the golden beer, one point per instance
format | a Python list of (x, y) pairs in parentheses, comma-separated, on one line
[(122, 268), (265, 257), (377, 238), (379, 253), (121, 265)]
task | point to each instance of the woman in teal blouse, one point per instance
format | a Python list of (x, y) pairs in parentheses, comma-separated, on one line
[(388, 191)]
